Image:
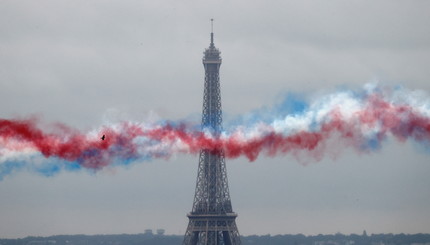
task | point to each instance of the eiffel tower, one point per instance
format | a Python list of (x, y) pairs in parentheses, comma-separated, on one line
[(212, 220)]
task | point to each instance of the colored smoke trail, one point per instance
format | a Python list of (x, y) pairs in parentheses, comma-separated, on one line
[(361, 120)]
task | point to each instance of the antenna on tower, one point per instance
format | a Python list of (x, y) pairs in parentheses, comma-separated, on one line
[(212, 31)]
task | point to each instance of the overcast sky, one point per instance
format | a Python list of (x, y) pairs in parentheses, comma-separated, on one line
[(85, 63)]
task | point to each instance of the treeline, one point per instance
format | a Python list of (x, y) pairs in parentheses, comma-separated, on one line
[(153, 239), (339, 239), (123, 239)]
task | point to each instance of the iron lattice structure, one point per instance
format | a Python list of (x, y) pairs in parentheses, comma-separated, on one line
[(212, 220)]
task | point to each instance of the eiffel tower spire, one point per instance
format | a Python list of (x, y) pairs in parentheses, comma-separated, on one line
[(212, 220)]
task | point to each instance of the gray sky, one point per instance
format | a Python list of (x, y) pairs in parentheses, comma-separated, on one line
[(85, 62)]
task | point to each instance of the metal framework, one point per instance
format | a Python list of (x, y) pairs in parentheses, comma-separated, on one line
[(212, 220)]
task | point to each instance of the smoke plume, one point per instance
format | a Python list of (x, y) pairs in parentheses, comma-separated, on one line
[(361, 120)]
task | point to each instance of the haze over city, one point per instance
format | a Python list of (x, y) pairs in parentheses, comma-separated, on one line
[(87, 64)]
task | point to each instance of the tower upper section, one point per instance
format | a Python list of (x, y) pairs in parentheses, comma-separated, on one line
[(212, 54), (212, 113)]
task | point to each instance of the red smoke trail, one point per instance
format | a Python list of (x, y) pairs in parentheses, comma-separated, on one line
[(400, 121), (69, 144), (132, 141)]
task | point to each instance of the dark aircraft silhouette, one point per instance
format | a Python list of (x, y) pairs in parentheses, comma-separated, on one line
[(103, 137)]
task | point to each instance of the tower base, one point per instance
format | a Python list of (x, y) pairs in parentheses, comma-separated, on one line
[(212, 229)]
